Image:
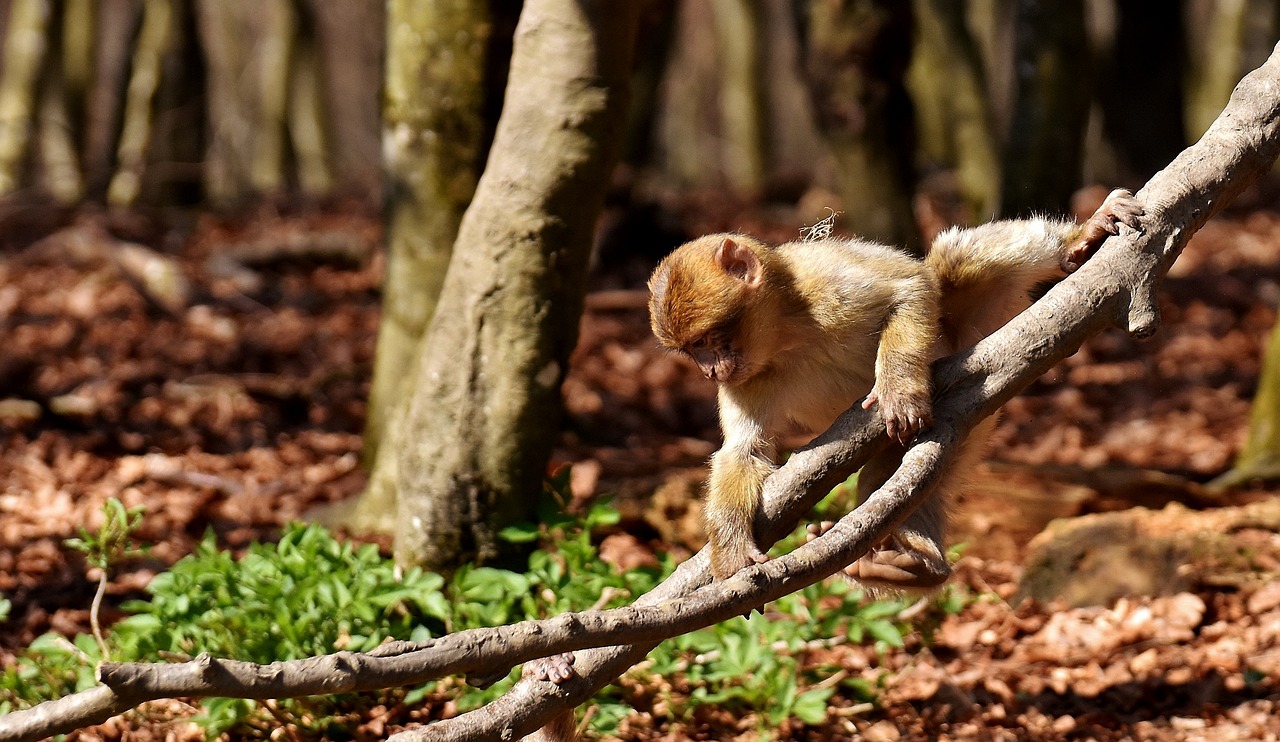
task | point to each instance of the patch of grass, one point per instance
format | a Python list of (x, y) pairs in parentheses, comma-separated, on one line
[(311, 594)]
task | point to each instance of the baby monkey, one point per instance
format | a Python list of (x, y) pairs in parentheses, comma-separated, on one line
[(796, 334)]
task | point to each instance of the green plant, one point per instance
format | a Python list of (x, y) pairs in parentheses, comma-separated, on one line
[(310, 594), (111, 544)]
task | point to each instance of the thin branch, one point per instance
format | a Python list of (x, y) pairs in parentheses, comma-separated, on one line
[(1116, 287)]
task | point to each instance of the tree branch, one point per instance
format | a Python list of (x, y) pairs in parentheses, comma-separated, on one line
[(1117, 287)]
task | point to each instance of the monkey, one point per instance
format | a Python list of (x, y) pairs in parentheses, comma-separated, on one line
[(793, 335)]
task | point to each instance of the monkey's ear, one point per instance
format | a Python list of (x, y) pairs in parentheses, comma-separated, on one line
[(739, 261)]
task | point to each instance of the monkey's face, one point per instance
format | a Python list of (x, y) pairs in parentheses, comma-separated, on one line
[(697, 308), (718, 359)]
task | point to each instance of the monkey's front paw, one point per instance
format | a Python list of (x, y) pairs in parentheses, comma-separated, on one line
[(557, 668), (728, 559), (1120, 207), (899, 569), (904, 415)]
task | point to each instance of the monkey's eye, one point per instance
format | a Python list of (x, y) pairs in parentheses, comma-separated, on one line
[(699, 343)]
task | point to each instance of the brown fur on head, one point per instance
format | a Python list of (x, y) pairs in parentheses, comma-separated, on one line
[(699, 296)]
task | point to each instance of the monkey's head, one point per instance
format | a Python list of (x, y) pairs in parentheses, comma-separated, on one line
[(700, 298)]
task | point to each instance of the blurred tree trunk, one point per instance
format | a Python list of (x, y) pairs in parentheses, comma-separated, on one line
[(1217, 41), (1044, 151), (232, 114), (269, 68), (437, 52), (117, 23), (688, 142), (159, 26), (1140, 89), (743, 97), (59, 168), (857, 57), (1260, 458), (958, 127), (25, 47), (308, 116), (485, 408)]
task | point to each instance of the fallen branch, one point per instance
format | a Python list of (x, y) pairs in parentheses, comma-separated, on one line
[(1117, 287)]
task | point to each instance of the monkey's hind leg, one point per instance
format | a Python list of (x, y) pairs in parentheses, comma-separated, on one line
[(912, 557), (1120, 207), (557, 669)]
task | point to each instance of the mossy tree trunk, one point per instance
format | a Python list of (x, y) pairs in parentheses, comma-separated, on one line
[(486, 403), (856, 63), (433, 137), (1260, 457), (957, 126), (1044, 151)]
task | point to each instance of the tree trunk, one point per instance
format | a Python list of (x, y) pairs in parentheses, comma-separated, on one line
[(270, 61), (740, 35), (857, 60), (1217, 42), (484, 413), (1044, 151), (1260, 457), (26, 43), (225, 34), (436, 52), (308, 115), (150, 48), (958, 130)]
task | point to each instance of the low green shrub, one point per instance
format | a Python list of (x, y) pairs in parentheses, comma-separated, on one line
[(311, 594)]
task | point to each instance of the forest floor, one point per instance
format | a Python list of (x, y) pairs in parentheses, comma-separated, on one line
[(240, 408)]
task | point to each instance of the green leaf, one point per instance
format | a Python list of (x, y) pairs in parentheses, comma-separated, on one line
[(811, 706), (886, 632), (519, 533)]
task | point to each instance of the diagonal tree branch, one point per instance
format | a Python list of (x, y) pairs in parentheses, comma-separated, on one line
[(1117, 287)]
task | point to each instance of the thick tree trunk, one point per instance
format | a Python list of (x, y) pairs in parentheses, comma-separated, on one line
[(484, 412), (1045, 145), (436, 51)]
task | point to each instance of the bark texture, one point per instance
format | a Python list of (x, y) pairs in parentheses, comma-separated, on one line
[(486, 403), (432, 138)]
